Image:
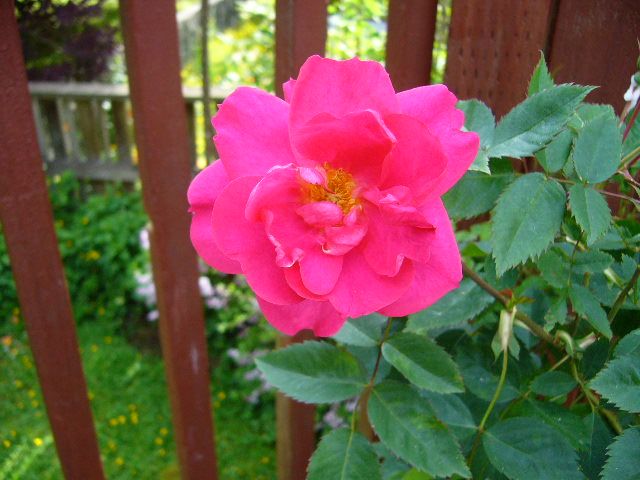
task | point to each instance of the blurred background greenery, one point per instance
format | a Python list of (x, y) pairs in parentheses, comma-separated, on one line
[(102, 236)]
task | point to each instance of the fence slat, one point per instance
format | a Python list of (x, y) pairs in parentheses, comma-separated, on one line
[(301, 31), (595, 43), (494, 46), (153, 64), (410, 34), (27, 221)]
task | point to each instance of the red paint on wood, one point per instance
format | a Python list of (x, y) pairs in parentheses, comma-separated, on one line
[(27, 222), (410, 34), (301, 31), (493, 48), (153, 64), (595, 43)]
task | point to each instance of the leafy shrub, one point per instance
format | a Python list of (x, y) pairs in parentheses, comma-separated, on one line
[(531, 369)]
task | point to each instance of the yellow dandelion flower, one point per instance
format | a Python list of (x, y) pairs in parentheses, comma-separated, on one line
[(134, 418), (158, 441), (31, 393), (122, 419), (222, 395), (34, 403), (94, 348), (18, 383), (38, 442), (113, 422), (164, 431), (119, 461), (6, 443)]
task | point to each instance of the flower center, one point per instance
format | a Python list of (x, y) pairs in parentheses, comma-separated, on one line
[(339, 189)]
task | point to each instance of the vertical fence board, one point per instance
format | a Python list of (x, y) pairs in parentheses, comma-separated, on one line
[(494, 46), (410, 34), (595, 43), (301, 31), (153, 64), (27, 222)]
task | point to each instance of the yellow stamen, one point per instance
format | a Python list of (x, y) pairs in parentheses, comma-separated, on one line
[(339, 189)]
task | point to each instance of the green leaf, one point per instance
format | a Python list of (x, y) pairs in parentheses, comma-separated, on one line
[(592, 261), (629, 345), (453, 412), (619, 382), (483, 189), (588, 306), (541, 78), (624, 457), (362, 332), (597, 150), (567, 423), (552, 384), (479, 119), (403, 421), (557, 313), (526, 219), (523, 448), (590, 210), (556, 153), (455, 308), (554, 267), (597, 437), (344, 455), (313, 372), (483, 383), (534, 122), (423, 362)]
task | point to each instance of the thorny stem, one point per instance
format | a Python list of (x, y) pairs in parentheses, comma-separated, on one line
[(492, 404), (367, 391), (523, 317), (622, 296)]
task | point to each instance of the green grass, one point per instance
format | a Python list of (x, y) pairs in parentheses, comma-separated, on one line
[(128, 395)]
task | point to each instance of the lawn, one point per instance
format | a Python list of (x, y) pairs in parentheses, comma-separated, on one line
[(128, 395)]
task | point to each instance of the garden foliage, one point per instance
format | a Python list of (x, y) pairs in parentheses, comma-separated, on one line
[(531, 369)]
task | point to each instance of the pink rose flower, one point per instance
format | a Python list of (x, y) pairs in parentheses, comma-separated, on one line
[(329, 201)]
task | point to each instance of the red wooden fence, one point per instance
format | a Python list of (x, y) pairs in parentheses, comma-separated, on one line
[(493, 46)]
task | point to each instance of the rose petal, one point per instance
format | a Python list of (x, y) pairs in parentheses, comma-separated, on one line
[(435, 106), (437, 277), (287, 89), (247, 242), (320, 214), (389, 240), (357, 142), (339, 88), (320, 317), (416, 161), (252, 132), (319, 271), (202, 194), (361, 291)]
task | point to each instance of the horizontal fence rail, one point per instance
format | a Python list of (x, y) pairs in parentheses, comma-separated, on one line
[(88, 128)]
